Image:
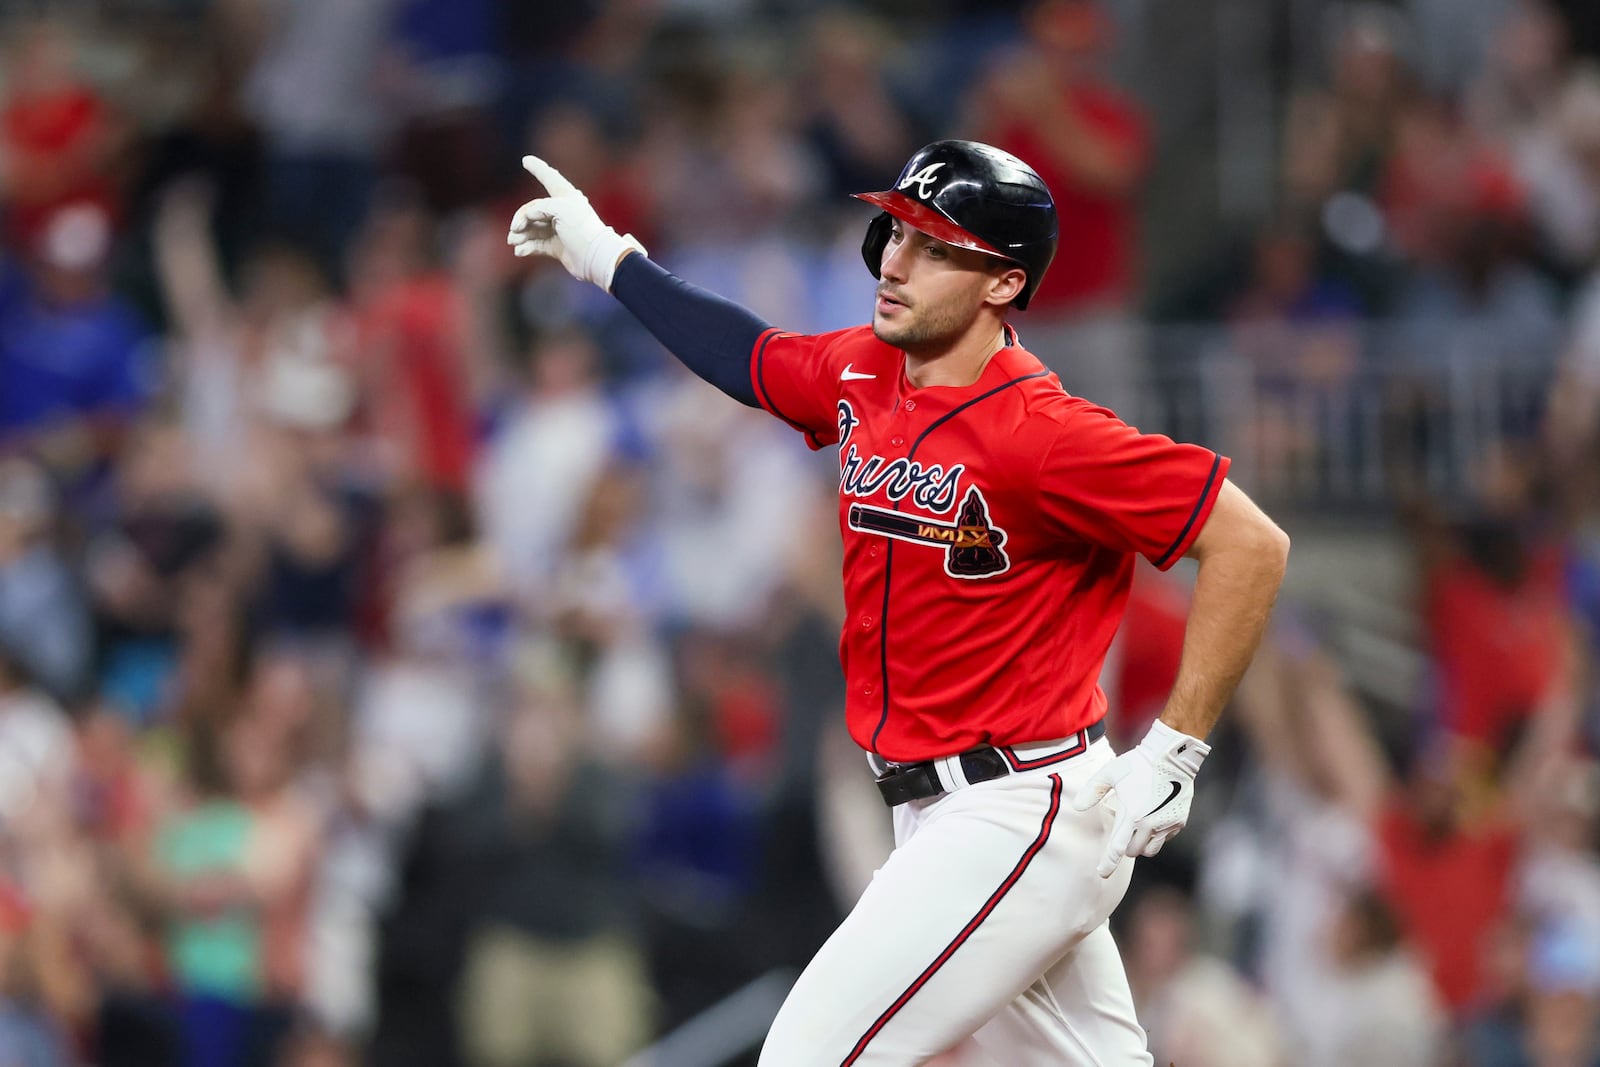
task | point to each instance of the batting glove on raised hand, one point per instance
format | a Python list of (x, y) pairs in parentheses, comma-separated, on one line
[(564, 226), (1154, 784)]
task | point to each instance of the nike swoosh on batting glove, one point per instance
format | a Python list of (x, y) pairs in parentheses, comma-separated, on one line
[(1154, 784)]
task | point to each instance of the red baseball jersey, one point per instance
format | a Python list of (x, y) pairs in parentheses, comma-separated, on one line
[(989, 533)]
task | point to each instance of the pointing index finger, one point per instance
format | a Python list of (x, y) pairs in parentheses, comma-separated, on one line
[(554, 182)]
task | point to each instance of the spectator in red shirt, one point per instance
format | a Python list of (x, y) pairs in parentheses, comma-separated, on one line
[(1449, 881), (1496, 615), (1497, 626), (1053, 105), (411, 319), (1444, 863), (1443, 177), (56, 136)]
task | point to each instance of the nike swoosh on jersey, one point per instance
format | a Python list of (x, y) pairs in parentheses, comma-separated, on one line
[(1176, 788), (848, 375)]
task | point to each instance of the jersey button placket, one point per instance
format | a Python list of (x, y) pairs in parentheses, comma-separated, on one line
[(897, 442)]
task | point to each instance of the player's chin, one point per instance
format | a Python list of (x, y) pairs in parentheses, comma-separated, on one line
[(890, 333)]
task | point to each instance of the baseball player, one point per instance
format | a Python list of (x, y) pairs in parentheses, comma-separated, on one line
[(990, 521)]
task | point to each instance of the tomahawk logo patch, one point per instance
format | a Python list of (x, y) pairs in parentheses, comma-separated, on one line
[(972, 544)]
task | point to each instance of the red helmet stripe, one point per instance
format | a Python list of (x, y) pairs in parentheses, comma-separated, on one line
[(921, 217)]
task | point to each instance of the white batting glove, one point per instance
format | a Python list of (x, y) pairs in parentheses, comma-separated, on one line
[(564, 226), (1154, 784)]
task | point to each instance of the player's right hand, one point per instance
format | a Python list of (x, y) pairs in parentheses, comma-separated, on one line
[(1154, 785), (563, 226)]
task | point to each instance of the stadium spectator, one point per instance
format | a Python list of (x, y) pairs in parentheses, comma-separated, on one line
[(1054, 105), (317, 91), (410, 349), (552, 964), (73, 365), (44, 618), (555, 440), (1198, 1010), (858, 129), (58, 137)]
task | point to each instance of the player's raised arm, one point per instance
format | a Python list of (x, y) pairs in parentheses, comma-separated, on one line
[(712, 336)]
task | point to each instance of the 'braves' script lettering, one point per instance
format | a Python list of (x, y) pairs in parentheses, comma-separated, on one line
[(933, 487)]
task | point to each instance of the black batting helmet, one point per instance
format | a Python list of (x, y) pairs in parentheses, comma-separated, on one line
[(973, 196)]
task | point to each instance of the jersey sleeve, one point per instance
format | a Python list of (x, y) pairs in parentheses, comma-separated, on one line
[(795, 379), (1104, 482)]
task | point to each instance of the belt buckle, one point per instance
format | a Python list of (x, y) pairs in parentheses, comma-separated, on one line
[(991, 763)]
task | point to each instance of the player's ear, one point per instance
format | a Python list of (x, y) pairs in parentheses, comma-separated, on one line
[(1005, 285)]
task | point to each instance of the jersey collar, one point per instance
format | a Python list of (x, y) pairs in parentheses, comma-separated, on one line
[(1012, 361)]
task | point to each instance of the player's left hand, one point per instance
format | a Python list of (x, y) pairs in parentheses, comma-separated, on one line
[(1154, 784)]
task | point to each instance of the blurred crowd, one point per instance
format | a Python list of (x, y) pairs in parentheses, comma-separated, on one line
[(403, 661)]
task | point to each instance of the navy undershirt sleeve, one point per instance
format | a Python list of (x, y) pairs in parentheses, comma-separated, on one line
[(711, 335)]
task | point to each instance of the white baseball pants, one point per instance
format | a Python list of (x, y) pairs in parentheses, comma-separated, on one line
[(987, 920)]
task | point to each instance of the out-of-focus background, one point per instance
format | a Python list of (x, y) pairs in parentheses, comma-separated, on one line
[(403, 662)]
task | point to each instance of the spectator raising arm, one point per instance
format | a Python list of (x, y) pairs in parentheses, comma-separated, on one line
[(197, 298)]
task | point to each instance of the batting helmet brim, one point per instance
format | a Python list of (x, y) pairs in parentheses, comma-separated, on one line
[(921, 217)]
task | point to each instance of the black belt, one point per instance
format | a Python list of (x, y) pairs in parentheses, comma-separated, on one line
[(918, 781)]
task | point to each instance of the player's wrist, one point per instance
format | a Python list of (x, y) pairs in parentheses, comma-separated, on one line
[(633, 248), (606, 250), (1165, 744)]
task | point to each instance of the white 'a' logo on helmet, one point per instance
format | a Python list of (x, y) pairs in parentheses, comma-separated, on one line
[(922, 179)]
